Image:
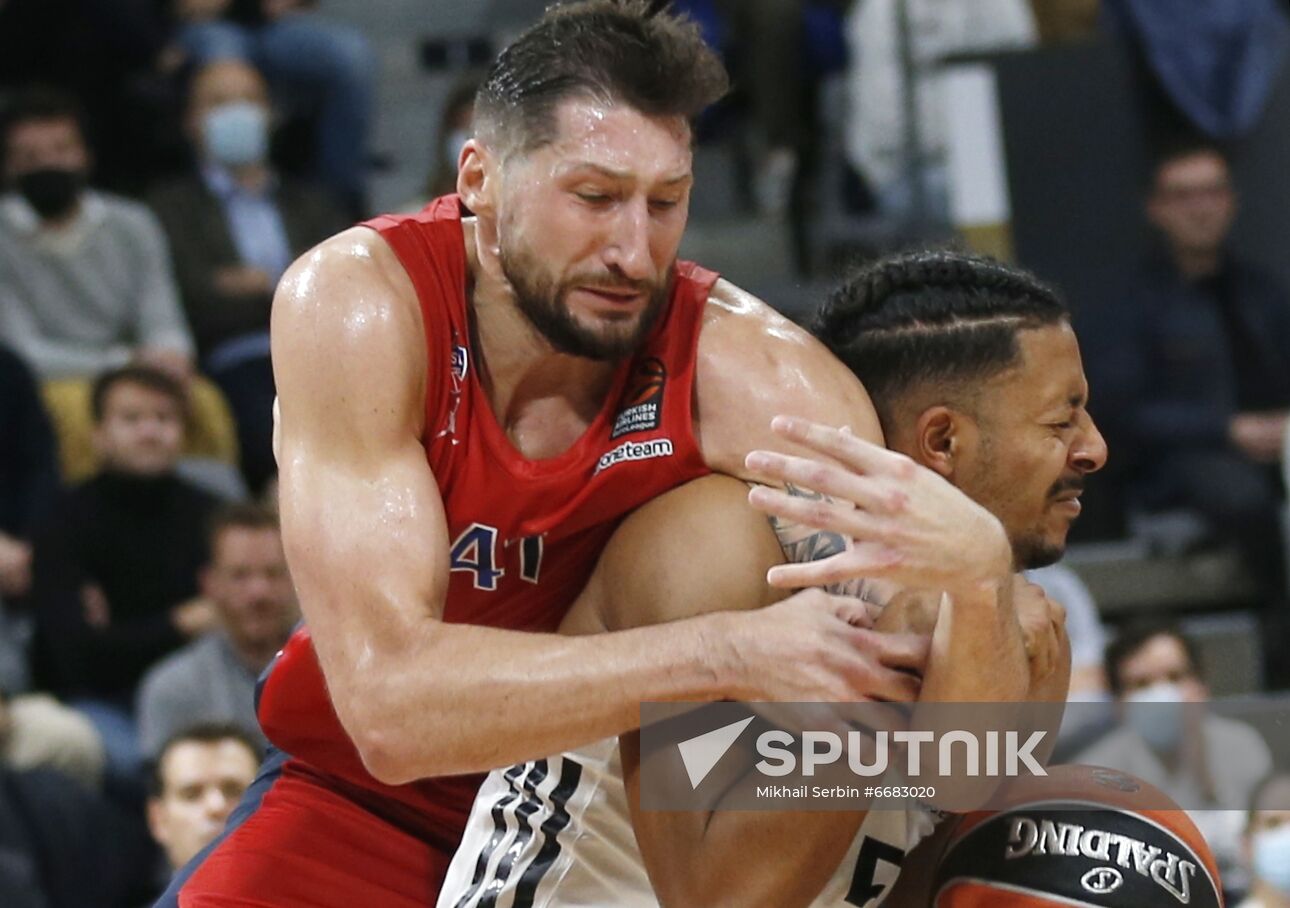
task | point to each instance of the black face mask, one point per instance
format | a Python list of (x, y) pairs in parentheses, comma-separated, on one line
[(51, 191)]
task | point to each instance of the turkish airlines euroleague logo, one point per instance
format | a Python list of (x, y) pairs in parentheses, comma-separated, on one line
[(642, 408)]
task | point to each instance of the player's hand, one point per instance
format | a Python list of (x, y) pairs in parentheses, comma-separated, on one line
[(908, 524), (1043, 627), (818, 647), (95, 606), (195, 617), (174, 363), (1260, 436), (243, 281)]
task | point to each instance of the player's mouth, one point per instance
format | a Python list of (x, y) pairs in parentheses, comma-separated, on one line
[(1069, 501), (619, 297)]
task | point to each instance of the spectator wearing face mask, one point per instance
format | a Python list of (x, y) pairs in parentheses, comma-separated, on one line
[(317, 67), (453, 131), (1171, 740), (234, 225), (1267, 844), (85, 279)]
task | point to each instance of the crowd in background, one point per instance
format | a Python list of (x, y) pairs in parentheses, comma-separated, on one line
[(163, 163)]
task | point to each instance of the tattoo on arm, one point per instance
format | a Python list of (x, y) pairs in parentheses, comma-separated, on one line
[(802, 543)]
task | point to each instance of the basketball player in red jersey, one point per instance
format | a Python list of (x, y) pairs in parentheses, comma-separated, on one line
[(470, 399)]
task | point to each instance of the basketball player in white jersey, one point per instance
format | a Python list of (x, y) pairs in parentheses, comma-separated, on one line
[(993, 399)]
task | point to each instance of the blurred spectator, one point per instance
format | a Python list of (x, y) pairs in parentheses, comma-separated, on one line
[(1267, 844), (766, 61), (234, 226), (28, 473), (1217, 60), (85, 280), (894, 155), (115, 571), (213, 678), (114, 57), (324, 70), (1197, 366), (200, 775), (61, 846), (453, 131), (38, 732), (1170, 740)]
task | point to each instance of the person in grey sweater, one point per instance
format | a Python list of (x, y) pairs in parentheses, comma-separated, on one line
[(213, 678), (85, 278)]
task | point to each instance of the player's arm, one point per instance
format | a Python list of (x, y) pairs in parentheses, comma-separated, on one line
[(693, 550), (366, 539)]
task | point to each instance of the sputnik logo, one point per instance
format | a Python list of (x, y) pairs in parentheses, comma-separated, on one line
[(702, 752)]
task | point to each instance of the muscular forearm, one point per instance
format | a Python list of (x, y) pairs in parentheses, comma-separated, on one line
[(461, 699)]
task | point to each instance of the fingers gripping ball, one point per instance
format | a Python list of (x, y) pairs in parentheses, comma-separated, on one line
[(1083, 836)]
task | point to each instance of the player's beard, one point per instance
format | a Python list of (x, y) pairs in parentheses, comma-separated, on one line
[(1034, 551), (543, 302)]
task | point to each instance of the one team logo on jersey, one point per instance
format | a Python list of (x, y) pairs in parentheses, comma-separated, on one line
[(643, 404), (634, 450)]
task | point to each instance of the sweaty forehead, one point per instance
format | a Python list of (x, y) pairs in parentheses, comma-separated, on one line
[(621, 139)]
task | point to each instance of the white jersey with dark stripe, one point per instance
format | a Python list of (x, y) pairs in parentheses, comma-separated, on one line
[(556, 833)]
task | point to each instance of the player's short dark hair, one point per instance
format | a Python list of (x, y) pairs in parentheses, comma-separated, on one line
[(199, 733), (240, 515), (1135, 636), (136, 374), (940, 316), (616, 51), (38, 103)]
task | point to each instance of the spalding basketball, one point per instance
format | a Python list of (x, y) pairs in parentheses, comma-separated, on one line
[(1081, 836)]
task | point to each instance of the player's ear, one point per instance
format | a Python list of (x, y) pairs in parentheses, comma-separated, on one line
[(936, 440), (477, 175)]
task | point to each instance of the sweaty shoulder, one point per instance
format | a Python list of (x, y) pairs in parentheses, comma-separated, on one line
[(754, 364), (345, 317)]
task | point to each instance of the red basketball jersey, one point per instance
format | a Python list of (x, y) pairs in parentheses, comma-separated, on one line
[(525, 534)]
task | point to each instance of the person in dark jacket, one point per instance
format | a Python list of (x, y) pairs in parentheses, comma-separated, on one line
[(1200, 373), (234, 225), (28, 471), (115, 572)]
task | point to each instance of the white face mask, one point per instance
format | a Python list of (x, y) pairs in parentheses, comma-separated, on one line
[(1272, 858), (237, 133), (453, 143), (1156, 714)]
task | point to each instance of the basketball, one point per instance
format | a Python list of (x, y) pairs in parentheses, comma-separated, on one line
[(1083, 835)]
